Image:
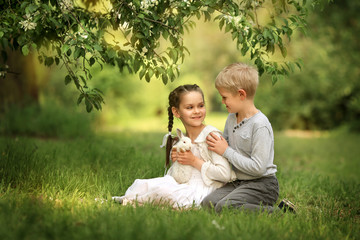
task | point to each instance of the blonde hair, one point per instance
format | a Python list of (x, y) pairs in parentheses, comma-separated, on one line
[(238, 76)]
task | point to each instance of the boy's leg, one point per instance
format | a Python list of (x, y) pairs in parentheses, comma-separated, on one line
[(258, 194), (213, 198)]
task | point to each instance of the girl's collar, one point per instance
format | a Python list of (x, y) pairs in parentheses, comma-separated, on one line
[(205, 132)]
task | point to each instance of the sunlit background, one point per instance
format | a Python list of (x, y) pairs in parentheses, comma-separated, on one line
[(59, 164), (323, 96)]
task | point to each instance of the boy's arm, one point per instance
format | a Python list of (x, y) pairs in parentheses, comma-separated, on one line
[(260, 157), (216, 144), (217, 168)]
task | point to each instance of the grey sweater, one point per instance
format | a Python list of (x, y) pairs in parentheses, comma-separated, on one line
[(251, 146)]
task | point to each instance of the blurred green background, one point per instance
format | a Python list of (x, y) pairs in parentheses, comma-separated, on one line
[(323, 96)]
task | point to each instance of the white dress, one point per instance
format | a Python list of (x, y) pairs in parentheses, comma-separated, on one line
[(216, 170)]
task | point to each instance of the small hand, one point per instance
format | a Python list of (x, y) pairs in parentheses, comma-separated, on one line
[(185, 158), (216, 144), (174, 155), (188, 158)]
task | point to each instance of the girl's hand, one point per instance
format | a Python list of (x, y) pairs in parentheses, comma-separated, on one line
[(187, 158), (174, 154), (216, 144)]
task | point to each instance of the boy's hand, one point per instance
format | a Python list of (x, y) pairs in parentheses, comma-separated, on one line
[(216, 144)]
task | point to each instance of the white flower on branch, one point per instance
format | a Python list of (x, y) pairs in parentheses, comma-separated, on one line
[(146, 4), (143, 51), (84, 36), (246, 30), (28, 25), (66, 5), (187, 2)]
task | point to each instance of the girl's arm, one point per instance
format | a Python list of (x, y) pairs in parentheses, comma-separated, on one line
[(218, 169), (187, 158)]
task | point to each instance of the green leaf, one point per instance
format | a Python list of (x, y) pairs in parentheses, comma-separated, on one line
[(136, 65), (151, 72), (173, 54), (81, 97), (207, 16), (165, 34), (88, 104), (68, 52), (142, 73), (98, 91), (53, 20), (98, 48), (274, 79), (49, 61), (31, 8), (221, 23), (111, 53), (283, 51), (164, 78), (77, 53), (244, 50), (227, 28), (25, 50), (92, 61), (139, 35), (67, 79), (65, 48), (147, 77)]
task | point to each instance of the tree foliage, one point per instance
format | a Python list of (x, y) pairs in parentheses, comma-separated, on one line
[(71, 33)]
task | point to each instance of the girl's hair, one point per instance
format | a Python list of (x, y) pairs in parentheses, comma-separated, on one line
[(174, 101), (238, 76)]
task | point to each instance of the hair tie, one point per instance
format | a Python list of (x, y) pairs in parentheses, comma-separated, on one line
[(164, 139)]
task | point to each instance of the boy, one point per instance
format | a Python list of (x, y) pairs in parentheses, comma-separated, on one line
[(248, 144)]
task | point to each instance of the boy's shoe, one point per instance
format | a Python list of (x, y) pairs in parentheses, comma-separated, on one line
[(118, 199), (285, 205)]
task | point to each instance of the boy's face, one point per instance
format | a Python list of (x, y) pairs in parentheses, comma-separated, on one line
[(231, 101)]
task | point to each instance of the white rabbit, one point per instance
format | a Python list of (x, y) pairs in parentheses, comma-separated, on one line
[(181, 173)]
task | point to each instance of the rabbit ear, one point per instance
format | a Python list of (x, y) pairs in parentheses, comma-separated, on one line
[(179, 133)]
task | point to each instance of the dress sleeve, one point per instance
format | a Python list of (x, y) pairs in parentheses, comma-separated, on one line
[(217, 168)]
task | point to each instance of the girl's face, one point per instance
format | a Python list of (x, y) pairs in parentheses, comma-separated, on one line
[(191, 110)]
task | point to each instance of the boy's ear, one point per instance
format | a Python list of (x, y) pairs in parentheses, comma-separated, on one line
[(175, 112), (242, 93)]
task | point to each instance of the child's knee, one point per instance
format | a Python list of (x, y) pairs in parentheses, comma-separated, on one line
[(206, 202), (219, 206)]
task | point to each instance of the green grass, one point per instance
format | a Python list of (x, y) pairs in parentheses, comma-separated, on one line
[(48, 187)]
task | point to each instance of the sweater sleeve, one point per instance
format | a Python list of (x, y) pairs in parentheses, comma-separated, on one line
[(216, 169), (255, 164)]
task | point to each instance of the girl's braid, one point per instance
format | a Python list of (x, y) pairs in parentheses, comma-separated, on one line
[(170, 140), (174, 101)]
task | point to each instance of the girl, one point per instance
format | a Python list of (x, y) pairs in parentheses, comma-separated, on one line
[(209, 170)]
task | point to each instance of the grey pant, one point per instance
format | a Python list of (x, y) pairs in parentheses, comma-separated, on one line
[(258, 194)]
